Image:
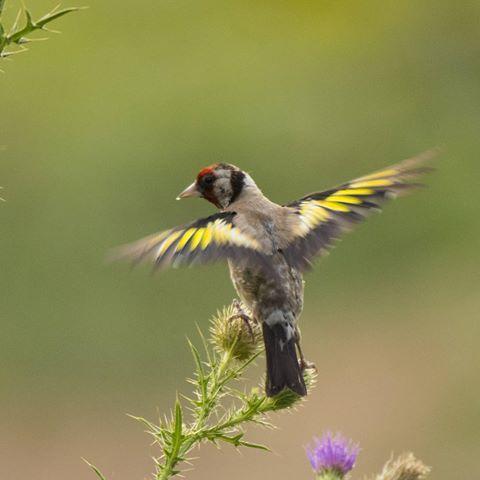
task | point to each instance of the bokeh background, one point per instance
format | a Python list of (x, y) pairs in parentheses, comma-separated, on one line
[(102, 126)]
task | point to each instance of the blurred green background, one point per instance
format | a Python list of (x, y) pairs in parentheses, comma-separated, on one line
[(102, 126)]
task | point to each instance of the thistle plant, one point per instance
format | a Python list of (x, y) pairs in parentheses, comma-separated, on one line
[(333, 458), (219, 408), (18, 36)]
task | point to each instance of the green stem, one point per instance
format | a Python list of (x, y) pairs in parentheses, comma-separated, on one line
[(212, 394), (197, 433)]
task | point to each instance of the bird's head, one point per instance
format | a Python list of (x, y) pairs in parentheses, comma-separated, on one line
[(220, 183)]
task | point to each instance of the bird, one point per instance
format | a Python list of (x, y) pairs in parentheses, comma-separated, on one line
[(270, 246)]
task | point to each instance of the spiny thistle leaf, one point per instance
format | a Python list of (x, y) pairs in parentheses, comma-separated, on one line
[(177, 426), (200, 380), (98, 473), (19, 36), (255, 445)]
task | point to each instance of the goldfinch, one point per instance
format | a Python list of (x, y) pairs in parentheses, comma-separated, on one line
[(269, 247)]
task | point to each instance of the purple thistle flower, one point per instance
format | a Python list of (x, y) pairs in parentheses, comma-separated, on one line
[(334, 454)]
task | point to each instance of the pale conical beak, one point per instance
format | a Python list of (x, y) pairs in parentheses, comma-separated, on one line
[(191, 191)]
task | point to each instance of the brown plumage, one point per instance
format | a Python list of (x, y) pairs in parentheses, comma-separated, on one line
[(269, 246)]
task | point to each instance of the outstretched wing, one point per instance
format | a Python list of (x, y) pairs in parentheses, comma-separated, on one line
[(205, 240), (321, 218)]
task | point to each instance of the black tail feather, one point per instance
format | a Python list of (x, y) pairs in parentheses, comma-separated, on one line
[(283, 369)]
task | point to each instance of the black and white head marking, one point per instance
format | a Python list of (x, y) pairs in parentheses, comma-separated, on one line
[(221, 184)]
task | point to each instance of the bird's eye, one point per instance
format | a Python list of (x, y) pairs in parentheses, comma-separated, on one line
[(208, 179)]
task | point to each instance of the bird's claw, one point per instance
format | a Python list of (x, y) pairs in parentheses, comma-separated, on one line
[(240, 313)]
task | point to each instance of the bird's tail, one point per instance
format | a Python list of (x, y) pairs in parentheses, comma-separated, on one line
[(283, 369)]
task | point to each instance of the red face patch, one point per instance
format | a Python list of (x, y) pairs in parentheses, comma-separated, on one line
[(206, 171), (205, 181)]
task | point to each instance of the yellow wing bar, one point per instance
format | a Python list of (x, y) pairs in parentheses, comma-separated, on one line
[(203, 240)]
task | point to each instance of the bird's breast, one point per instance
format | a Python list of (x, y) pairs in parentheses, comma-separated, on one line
[(264, 292)]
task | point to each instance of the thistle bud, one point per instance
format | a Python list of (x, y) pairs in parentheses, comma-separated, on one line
[(288, 399), (232, 331)]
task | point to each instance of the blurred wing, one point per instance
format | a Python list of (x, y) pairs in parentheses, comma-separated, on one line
[(324, 216), (205, 240)]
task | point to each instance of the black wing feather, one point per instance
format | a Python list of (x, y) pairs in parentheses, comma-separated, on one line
[(324, 216)]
